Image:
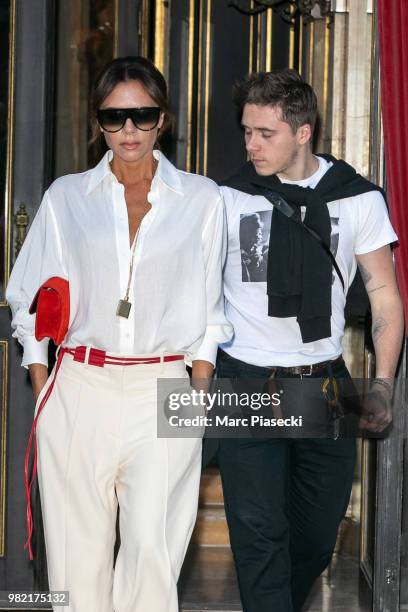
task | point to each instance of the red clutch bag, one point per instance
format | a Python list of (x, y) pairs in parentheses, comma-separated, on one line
[(51, 303)]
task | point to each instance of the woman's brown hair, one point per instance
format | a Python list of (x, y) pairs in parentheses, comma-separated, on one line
[(122, 69)]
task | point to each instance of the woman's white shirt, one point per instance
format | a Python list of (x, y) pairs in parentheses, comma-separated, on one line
[(81, 233)]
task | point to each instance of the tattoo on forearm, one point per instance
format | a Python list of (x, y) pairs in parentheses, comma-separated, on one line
[(378, 328), (365, 274), (376, 289)]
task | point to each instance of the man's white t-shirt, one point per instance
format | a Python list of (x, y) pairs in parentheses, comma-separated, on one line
[(359, 225)]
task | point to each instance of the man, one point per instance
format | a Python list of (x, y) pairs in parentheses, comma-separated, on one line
[(285, 498)]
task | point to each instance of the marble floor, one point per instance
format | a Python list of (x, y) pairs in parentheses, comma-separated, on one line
[(208, 583)]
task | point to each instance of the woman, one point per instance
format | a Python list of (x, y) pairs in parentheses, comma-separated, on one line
[(141, 246)]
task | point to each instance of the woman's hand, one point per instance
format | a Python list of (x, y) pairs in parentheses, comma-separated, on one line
[(38, 375), (201, 375)]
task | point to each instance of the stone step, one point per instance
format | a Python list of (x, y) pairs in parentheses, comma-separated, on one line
[(211, 488), (208, 581), (211, 528)]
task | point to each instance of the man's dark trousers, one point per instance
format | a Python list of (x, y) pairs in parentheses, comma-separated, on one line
[(284, 501)]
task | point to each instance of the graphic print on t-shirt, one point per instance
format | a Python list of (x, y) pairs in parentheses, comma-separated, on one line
[(254, 230), (334, 240)]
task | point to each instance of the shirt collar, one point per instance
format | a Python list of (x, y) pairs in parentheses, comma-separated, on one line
[(166, 172)]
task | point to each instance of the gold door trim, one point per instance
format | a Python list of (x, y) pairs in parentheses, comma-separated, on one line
[(255, 29), (376, 145), (251, 42), (311, 51), (116, 30), (301, 26), (292, 35), (366, 466), (161, 37), (3, 464), (203, 86), (144, 16), (326, 68), (21, 221), (8, 195), (199, 89), (258, 42), (191, 31), (207, 84), (269, 35)]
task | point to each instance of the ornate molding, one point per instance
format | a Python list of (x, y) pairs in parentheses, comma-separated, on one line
[(21, 220), (287, 9)]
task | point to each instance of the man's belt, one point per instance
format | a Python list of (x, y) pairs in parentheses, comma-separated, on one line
[(307, 370), (303, 370)]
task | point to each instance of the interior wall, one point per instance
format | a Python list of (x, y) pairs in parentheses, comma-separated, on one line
[(204, 47), (85, 41)]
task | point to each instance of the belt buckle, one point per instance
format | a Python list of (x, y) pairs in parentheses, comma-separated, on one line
[(96, 357), (79, 354), (309, 373)]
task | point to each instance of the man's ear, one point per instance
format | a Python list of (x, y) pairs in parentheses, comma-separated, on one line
[(304, 134)]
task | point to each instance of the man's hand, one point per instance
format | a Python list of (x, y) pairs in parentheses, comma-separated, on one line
[(377, 411), (39, 376), (377, 270)]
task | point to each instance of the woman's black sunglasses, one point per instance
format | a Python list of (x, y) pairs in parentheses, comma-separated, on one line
[(144, 118)]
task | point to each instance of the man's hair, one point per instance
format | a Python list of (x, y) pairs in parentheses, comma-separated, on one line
[(285, 89)]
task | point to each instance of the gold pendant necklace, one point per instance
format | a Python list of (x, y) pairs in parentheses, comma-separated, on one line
[(124, 306)]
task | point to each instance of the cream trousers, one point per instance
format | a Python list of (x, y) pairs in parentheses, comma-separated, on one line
[(97, 447)]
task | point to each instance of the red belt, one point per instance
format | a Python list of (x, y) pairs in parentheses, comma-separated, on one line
[(98, 358)]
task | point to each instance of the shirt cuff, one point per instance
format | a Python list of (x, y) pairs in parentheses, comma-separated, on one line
[(207, 351), (35, 351)]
